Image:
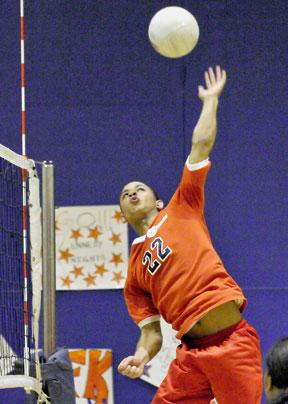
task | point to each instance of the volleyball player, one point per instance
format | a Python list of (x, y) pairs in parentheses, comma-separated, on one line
[(276, 376), (174, 271)]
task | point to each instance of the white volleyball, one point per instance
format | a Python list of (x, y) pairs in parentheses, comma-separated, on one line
[(173, 32)]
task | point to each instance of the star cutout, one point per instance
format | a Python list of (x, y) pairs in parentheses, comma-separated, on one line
[(117, 277), (146, 370), (94, 233), (100, 270), (77, 271), (76, 234), (115, 238), (90, 279), (65, 255), (116, 260), (118, 216), (66, 281)]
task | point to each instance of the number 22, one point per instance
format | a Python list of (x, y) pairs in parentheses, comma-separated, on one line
[(162, 254)]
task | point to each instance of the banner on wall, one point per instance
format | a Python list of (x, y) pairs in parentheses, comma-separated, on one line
[(91, 248), (157, 368), (93, 375)]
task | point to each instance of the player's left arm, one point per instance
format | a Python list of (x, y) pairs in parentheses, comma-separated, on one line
[(204, 133), (148, 346)]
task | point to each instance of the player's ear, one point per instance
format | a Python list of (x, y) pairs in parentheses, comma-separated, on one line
[(159, 204)]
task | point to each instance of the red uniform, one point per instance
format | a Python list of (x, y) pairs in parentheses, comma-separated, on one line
[(174, 270)]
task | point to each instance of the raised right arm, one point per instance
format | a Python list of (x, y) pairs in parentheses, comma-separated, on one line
[(204, 134)]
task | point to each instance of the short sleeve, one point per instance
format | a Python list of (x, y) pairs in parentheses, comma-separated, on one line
[(139, 303), (191, 187)]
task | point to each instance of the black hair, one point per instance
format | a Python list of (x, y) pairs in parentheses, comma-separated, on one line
[(277, 364)]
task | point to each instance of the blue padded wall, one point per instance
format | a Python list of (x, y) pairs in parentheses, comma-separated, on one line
[(107, 109)]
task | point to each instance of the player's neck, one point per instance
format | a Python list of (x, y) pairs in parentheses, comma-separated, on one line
[(143, 225)]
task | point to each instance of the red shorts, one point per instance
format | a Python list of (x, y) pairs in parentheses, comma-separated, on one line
[(226, 365)]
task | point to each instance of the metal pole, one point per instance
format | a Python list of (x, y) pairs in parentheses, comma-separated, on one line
[(48, 243)]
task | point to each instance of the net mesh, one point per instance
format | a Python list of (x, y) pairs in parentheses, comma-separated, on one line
[(16, 339)]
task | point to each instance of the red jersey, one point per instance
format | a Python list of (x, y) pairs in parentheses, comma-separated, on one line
[(174, 270)]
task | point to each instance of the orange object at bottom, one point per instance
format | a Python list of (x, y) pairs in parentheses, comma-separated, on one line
[(226, 365)]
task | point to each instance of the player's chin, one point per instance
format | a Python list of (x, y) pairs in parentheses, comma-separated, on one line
[(128, 215), (135, 215)]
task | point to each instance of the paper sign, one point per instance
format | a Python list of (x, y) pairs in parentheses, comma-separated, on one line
[(91, 248), (93, 376)]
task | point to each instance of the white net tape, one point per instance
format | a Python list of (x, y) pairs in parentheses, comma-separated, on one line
[(15, 158), (26, 382)]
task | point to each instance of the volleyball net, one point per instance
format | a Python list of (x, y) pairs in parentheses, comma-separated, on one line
[(20, 273)]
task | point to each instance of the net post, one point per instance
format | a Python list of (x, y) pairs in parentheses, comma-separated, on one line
[(49, 273)]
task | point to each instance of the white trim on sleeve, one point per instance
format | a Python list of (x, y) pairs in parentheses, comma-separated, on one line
[(196, 166), (149, 320), (138, 240)]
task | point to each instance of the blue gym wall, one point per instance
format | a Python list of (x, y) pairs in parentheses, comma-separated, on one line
[(107, 109)]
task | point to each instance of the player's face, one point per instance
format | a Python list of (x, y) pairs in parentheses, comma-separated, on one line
[(137, 200)]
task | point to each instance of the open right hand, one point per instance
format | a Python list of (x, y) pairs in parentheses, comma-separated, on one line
[(215, 83), (132, 367)]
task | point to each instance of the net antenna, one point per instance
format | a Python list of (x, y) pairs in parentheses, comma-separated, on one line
[(24, 188), (20, 261)]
